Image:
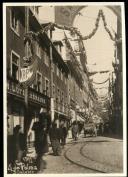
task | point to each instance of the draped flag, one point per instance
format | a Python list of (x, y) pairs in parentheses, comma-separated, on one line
[(26, 73), (29, 63)]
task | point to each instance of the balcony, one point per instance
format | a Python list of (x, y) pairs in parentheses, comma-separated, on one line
[(15, 89)]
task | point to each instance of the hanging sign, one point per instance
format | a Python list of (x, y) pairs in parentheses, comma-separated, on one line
[(26, 74), (29, 62)]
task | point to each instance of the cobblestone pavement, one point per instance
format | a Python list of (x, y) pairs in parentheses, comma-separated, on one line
[(87, 155), (102, 155)]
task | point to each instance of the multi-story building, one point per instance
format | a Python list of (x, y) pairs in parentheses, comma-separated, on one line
[(55, 84), (39, 88), (78, 81)]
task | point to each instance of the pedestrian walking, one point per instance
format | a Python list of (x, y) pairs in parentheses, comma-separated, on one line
[(95, 129), (70, 133), (101, 129), (63, 134), (54, 134), (18, 144), (41, 129), (74, 131)]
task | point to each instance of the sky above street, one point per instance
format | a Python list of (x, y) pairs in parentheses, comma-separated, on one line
[(100, 48)]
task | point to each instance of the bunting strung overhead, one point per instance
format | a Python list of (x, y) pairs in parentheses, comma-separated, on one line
[(101, 82), (74, 31), (29, 37), (102, 88), (98, 72)]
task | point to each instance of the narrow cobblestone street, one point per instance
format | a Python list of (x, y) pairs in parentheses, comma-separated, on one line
[(83, 157)]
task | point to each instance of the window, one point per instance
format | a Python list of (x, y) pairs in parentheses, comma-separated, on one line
[(53, 91), (61, 75), (62, 101), (39, 81), (65, 80), (57, 71), (46, 58), (58, 91), (47, 88), (62, 97), (58, 99), (14, 22), (15, 65), (38, 50), (53, 67)]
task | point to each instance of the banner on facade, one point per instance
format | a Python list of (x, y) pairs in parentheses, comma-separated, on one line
[(26, 74)]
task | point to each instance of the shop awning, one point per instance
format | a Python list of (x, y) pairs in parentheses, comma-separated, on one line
[(61, 114)]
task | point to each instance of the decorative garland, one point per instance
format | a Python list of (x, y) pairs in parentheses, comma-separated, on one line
[(29, 37), (96, 72), (101, 82), (101, 14), (74, 30), (102, 88)]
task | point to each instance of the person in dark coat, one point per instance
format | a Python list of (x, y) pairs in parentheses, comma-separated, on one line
[(63, 135), (18, 144), (74, 131), (54, 134), (41, 129)]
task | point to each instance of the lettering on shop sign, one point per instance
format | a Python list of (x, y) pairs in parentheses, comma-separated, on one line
[(37, 98), (26, 74), (14, 88)]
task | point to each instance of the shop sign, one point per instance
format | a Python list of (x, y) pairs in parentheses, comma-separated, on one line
[(14, 88), (37, 98), (26, 74)]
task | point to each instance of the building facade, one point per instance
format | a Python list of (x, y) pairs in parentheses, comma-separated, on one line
[(40, 87), (57, 84)]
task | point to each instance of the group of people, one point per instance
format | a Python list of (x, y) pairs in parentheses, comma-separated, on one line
[(43, 129)]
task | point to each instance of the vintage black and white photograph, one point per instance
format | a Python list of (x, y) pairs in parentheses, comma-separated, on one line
[(64, 89)]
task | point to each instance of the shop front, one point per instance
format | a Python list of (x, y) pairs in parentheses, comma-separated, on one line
[(16, 110), (37, 103), (15, 113), (15, 106), (61, 118)]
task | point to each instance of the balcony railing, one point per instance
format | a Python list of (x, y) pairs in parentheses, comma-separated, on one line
[(14, 88)]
